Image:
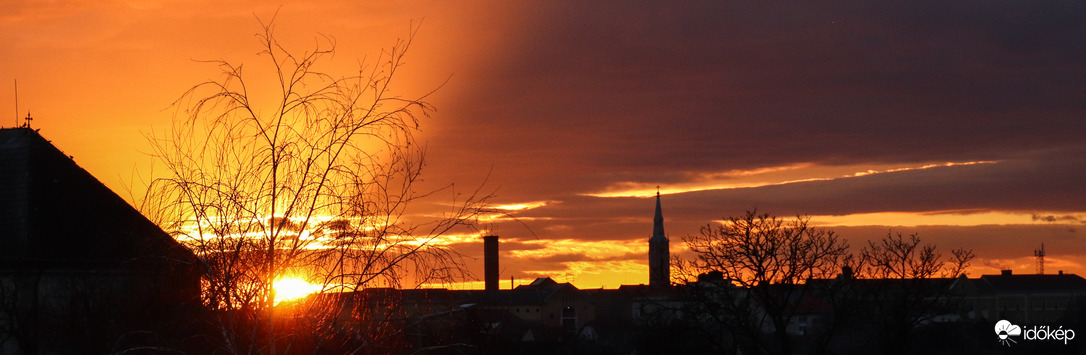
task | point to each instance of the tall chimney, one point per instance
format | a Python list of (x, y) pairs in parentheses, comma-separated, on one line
[(490, 262)]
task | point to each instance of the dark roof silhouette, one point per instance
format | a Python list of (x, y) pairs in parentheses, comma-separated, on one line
[(1032, 283), (54, 212), (110, 272), (537, 292), (541, 282)]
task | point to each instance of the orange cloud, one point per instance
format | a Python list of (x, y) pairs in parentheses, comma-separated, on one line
[(769, 176)]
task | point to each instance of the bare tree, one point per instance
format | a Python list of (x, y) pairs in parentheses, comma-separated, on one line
[(313, 181), (766, 259), (910, 287), (895, 257)]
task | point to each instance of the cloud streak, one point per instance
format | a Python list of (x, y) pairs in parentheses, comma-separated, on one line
[(597, 93), (760, 178)]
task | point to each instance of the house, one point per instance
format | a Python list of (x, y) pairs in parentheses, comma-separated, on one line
[(1029, 299), (81, 271)]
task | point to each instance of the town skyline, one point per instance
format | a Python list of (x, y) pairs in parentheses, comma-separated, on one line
[(104, 283), (959, 122)]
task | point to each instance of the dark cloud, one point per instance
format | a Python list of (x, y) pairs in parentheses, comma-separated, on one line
[(592, 93), (1031, 182), (584, 95), (1053, 219)]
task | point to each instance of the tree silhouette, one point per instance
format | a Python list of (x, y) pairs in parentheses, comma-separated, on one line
[(314, 181), (895, 257), (910, 287), (763, 261)]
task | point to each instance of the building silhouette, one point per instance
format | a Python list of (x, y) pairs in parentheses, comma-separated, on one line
[(81, 271), (659, 253), (1029, 299), (491, 271)]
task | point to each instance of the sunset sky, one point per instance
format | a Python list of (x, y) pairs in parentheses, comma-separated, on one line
[(962, 121)]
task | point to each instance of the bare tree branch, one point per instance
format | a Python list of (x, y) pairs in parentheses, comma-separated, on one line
[(315, 184)]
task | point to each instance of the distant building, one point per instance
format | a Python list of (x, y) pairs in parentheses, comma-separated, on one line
[(1030, 299), (81, 271), (490, 269), (659, 253), (844, 315)]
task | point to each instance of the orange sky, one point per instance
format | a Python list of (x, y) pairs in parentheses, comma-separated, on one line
[(961, 122)]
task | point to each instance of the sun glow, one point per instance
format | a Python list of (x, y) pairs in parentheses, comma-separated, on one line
[(292, 288)]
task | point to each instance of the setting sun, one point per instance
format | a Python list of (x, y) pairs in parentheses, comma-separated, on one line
[(292, 288)]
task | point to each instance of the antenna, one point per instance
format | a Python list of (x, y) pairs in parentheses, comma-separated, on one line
[(1040, 254), (28, 118)]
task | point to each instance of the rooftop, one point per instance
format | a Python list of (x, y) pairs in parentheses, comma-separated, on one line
[(55, 212)]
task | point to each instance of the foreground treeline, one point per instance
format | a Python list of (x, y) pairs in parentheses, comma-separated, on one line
[(774, 285), (767, 285), (757, 284)]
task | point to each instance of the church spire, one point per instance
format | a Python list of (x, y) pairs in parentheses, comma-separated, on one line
[(659, 253), (658, 220)]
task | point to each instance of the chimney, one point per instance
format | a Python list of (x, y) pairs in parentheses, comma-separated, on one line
[(711, 276), (490, 262), (1006, 272), (846, 273)]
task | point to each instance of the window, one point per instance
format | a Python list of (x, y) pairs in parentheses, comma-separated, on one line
[(569, 320)]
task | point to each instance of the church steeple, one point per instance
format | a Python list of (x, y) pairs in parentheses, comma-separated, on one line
[(658, 220), (659, 253)]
